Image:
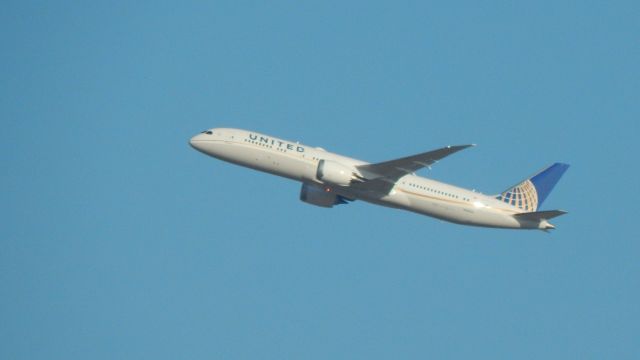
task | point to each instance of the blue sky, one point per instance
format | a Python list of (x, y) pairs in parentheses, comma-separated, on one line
[(120, 241)]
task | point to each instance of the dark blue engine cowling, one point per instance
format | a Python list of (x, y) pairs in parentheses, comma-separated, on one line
[(321, 196)]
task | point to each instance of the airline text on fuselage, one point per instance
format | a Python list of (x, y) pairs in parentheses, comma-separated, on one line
[(278, 143)]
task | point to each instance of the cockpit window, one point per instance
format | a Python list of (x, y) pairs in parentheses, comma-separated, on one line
[(208, 132)]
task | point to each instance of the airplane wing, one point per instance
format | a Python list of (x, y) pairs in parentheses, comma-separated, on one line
[(382, 176), (395, 169)]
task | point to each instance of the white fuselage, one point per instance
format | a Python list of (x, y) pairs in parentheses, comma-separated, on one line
[(411, 192)]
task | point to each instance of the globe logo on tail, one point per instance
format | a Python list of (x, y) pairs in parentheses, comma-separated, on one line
[(529, 194), (523, 196)]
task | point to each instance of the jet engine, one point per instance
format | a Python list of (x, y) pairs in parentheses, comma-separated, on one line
[(320, 196), (335, 173)]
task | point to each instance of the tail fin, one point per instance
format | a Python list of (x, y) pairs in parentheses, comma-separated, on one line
[(529, 194)]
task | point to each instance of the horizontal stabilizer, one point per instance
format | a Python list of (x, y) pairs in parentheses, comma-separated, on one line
[(539, 215)]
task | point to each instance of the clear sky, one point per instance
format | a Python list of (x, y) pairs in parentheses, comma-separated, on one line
[(119, 241)]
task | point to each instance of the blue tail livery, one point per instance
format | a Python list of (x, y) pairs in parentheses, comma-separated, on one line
[(529, 194)]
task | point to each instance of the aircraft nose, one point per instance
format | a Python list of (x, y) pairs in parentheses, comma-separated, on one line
[(196, 141), (193, 142)]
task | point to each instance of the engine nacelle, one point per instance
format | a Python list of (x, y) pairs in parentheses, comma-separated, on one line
[(334, 173), (320, 196)]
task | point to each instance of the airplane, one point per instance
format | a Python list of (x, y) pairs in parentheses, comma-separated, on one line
[(330, 179)]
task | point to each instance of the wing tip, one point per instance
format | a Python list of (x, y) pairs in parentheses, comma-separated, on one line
[(461, 147)]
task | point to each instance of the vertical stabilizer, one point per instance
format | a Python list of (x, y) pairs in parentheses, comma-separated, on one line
[(529, 194)]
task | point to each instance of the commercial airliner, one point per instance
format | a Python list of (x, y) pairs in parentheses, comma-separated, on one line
[(330, 179)]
